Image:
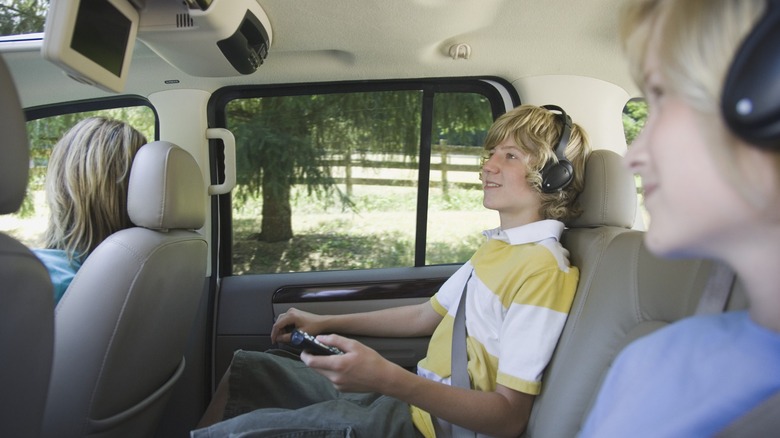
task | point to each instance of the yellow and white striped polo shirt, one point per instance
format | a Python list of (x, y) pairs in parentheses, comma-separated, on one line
[(518, 300)]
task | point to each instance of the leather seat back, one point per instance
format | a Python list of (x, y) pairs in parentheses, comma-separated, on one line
[(123, 323), (624, 293), (26, 296)]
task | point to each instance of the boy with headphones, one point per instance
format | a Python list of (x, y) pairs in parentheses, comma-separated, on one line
[(516, 292), (709, 158)]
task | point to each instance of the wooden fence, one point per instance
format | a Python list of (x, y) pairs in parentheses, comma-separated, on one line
[(451, 166)]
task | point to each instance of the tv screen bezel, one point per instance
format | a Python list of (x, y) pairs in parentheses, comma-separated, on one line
[(58, 34)]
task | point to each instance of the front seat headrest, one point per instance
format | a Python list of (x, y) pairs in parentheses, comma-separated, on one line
[(15, 164), (166, 189)]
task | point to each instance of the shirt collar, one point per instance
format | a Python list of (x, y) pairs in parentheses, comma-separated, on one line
[(529, 233)]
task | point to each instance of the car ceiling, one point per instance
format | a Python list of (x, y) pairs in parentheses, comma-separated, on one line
[(337, 40)]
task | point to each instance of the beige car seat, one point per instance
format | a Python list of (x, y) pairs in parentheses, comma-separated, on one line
[(122, 325), (26, 295), (624, 293)]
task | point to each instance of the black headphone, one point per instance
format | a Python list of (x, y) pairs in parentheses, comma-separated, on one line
[(750, 103), (557, 174)]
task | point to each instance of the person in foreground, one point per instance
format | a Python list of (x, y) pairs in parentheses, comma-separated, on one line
[(86, 191), (520, 287), (712, 187)]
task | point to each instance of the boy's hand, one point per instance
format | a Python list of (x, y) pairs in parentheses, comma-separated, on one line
[(359, 369), (294, 318)]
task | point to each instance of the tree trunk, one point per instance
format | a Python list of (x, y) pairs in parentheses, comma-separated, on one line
[(276, 225)]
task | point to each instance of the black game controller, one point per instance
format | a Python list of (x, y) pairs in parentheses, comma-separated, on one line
[(311, 345)]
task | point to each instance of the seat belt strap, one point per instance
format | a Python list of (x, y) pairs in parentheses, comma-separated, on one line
[(717, 290), (761, 421), (459, 364), (460, 375)]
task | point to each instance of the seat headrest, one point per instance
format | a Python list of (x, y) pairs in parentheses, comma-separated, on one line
[(609, 197), (166, 189), (15, 164)]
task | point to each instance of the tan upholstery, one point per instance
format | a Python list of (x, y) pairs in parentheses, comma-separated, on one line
[(26, 296), (609, 196), (624, 293), (609, 207), (123, 323), (165, 195)]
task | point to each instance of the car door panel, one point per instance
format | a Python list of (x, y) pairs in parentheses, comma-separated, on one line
[(248, 305)]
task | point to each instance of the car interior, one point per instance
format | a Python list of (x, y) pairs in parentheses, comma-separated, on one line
[(144, 333)]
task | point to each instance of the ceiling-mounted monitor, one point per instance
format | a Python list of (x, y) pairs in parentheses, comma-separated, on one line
[(92, 40)]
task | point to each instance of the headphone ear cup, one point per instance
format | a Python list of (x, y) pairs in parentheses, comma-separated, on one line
[(556, 176), (750, 102)]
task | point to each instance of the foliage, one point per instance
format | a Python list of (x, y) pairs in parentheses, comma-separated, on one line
[(22, 16), (461, 118), (325, 248), (44, 133), (634, 117), (285, 140)]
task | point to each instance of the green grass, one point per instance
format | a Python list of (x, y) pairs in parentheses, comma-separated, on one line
[(377, 231)]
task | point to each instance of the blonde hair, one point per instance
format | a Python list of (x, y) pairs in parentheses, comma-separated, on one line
[(697, 41), (536, 131), (86, 184)]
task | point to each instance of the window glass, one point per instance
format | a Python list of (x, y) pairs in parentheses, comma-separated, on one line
[(456, 216), (22, 16), (337, 181), (634, 117), (29, 223)]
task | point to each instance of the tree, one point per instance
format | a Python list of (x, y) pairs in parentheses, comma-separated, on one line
[(44, 133), (634, 117), (22, 16), (286, 140)]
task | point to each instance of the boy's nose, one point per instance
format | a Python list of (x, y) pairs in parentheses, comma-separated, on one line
[(490, 165)]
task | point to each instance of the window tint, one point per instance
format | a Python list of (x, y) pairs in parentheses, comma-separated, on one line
[(19, 17), (456, 216), (29, 223), (357, 180), (634, 117)]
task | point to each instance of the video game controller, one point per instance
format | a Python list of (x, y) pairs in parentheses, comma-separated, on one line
[(310, 344)]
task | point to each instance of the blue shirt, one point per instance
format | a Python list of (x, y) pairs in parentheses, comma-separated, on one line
[(690, 379), (61, 269)]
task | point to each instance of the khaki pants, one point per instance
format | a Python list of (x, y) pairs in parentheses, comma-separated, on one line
[(274, 396)]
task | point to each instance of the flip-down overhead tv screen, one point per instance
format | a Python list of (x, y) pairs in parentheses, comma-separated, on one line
[(92, 40)]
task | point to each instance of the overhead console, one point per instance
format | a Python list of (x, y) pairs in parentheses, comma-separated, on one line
[(210, 38), (93, 40)]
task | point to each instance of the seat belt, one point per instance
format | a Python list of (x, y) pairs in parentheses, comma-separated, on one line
[(460, 375), (759, 422), (762, 420), (717, 290), (459, 363)]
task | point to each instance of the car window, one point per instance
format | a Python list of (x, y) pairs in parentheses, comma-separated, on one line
[(358, 179), (29, 223), (634, 117), (19, 17)]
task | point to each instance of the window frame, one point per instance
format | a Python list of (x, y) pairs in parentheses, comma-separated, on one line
[(499, 92), (73, 108), (87, 105)]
